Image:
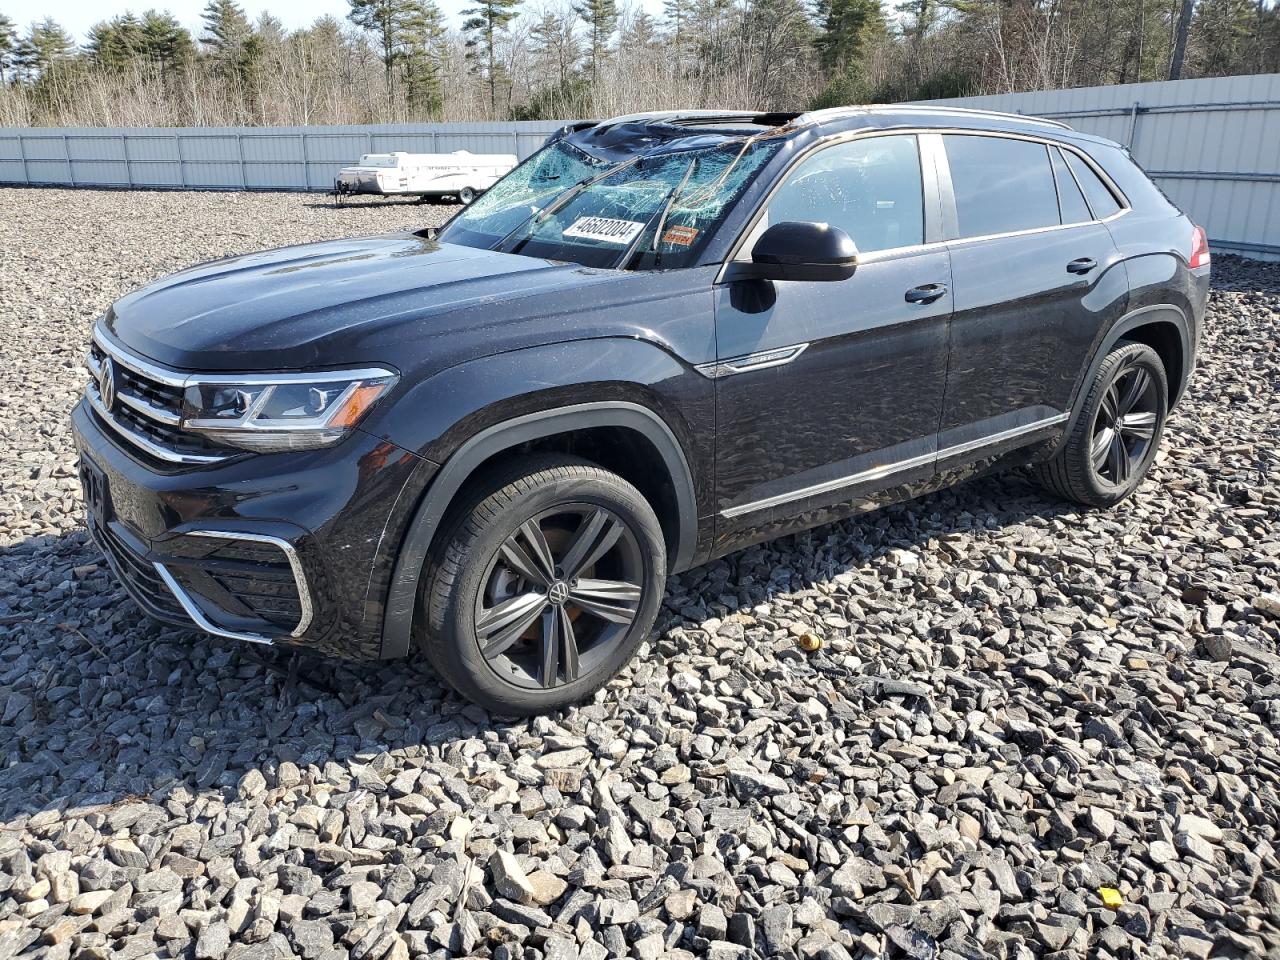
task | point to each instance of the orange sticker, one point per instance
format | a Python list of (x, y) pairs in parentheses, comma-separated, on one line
[(681, 236)]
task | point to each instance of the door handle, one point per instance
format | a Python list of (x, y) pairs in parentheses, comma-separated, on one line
[(1082, 265), (926, 293)]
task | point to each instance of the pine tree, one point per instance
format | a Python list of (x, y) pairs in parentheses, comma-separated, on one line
[(8, 44), (115, 43), (555, 47), (226, 28), (165, 41), (385, 19), (45, 47), (676, 13), (424, 36), (601, 18), (484, 22)]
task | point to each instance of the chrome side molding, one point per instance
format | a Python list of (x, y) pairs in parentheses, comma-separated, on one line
[(889, 469)]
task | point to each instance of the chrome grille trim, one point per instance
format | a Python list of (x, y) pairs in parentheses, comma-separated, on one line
[(144, 444), (152, 379), (170, 378)]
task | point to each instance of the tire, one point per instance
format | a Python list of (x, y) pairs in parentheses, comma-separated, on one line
[(466, 195), (496, 601), (1088, 468)]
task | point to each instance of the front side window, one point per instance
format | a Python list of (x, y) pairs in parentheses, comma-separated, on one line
[(1000, 185), (870, 188), (654, 211)]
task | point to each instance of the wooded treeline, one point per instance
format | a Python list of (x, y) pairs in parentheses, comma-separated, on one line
[(399, 60)]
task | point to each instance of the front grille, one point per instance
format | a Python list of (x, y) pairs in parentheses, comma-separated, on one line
[(146, 408), (138, 575)]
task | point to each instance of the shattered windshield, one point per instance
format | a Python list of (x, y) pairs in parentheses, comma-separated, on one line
[(650, 212)]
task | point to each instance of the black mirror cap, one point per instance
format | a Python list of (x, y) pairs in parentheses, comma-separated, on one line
[(800, 250)]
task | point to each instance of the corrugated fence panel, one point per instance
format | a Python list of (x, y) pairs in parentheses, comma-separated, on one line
[(1213, 145), (253, 158)]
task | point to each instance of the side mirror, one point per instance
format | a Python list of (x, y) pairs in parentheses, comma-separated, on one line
[(799, 250)]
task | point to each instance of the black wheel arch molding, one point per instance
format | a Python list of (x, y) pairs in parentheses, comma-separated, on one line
[(1131, 325), (449, 481)]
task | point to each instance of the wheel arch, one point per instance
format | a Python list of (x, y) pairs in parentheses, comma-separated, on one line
[(1165, 329), (540, 430)]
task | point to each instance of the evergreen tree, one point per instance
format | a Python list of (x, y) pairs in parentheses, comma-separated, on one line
[(8, 44), (676, 14), (601, 18), (165, 41), (226, 28), (555, 47), (483, 24), (45, 47), (423, 47), (115, 43), (386, 20)]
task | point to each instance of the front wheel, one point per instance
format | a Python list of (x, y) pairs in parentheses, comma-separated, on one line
[(544, 587), (1113, 441)]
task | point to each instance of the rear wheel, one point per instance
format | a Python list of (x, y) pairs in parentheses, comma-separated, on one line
[(1113, 441), (544, 587), (466, 195)]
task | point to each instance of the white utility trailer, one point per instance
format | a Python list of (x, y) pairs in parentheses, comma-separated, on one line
[(460, 174)]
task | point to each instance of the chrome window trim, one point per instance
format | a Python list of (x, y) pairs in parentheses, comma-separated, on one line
[(889, 469), (736, 248), (204, 623)]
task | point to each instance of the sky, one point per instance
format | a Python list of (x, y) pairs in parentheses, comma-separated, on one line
[(79, 15)]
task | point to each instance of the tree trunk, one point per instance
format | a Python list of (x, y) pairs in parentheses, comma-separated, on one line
[(1180, 39)]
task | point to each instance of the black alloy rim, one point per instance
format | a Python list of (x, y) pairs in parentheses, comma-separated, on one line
[(1126, 425), (559, 595)]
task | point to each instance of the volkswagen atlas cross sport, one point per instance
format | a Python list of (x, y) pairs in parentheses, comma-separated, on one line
[(659, 339)]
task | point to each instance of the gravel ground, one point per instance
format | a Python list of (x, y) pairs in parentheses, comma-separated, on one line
[(1030, 730)]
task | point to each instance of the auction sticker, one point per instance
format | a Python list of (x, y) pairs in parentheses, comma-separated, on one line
[(680, 236), (604, 230)]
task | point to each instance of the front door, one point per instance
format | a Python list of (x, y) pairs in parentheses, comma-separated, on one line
[(829, 391)]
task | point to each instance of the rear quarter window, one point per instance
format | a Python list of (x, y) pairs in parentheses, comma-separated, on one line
[(1101, 200)]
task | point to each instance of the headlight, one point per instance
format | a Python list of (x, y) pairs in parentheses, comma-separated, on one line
[(285, 412)]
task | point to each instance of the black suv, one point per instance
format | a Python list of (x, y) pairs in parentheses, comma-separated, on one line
[(659, 339)]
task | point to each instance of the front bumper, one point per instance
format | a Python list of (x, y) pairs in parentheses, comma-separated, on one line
[(291, 549)]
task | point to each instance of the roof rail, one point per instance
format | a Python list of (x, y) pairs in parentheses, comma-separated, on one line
[(835, 112)]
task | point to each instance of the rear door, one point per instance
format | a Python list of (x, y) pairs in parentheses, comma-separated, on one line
[(1035, 278)]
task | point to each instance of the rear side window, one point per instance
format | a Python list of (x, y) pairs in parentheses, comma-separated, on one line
[(1070, 199), (1101, 199), (1001, 185)]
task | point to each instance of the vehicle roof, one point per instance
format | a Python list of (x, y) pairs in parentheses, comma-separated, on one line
[(685, 129)]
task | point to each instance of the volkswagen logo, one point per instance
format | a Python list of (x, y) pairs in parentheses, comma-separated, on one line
[(107, 384), (559, 592)]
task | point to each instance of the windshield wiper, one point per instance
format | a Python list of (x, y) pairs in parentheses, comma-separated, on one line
[(536, 218), (668, 201)]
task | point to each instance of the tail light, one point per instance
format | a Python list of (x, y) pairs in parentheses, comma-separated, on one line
[(1199, 249)]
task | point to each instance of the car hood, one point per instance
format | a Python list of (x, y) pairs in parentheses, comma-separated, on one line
[(330, 303)]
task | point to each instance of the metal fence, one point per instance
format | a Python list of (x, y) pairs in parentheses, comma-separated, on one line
[(1212, 145), (236, 158)]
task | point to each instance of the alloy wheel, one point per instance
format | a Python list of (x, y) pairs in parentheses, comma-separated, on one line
[(561, 592), (1125, 425)]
